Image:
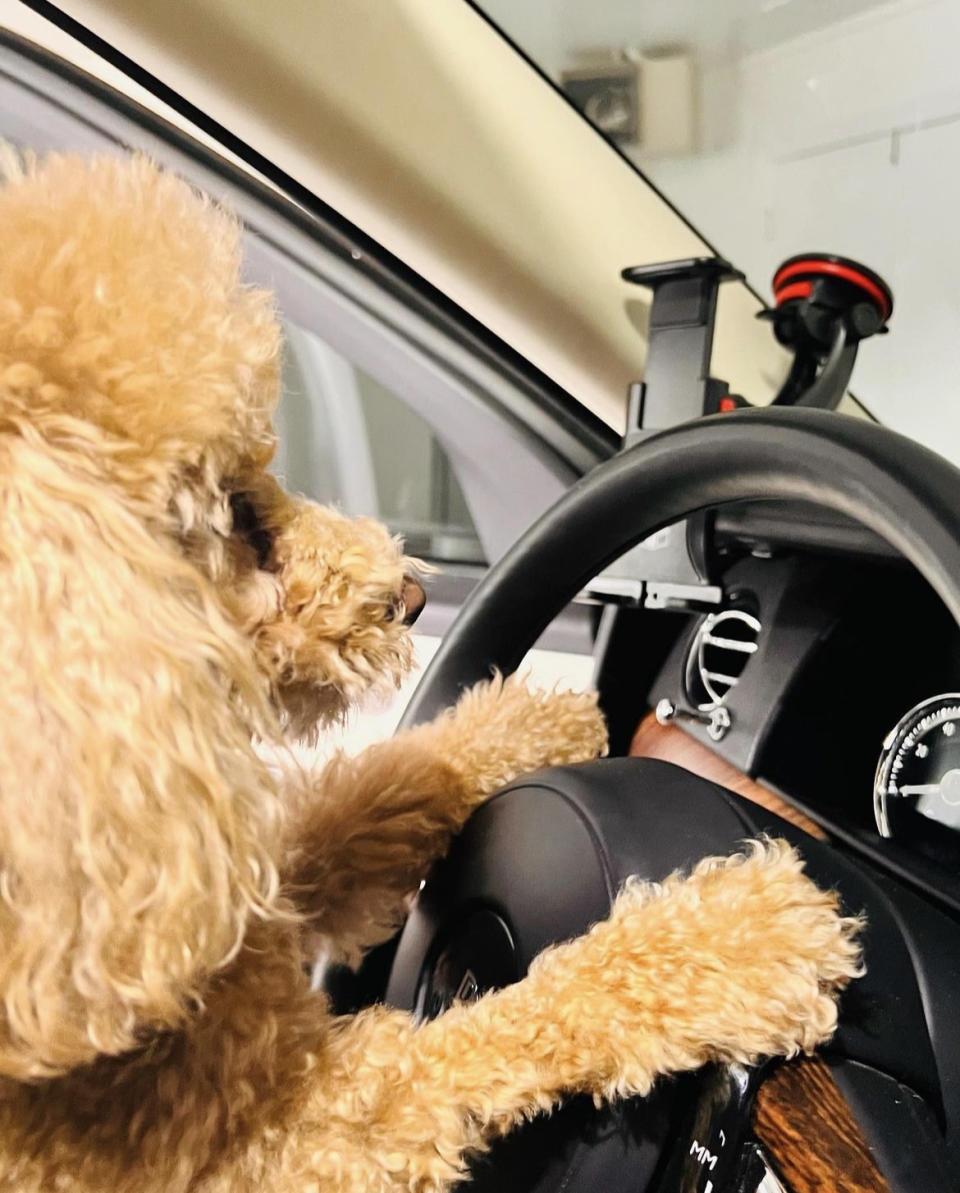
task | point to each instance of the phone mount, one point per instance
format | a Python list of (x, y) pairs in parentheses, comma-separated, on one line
[(672, 568), (677, 385), (824, 306)]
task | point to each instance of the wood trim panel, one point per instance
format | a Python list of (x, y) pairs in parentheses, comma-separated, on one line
[(810, 1135), (800, 1117), (671, 744)]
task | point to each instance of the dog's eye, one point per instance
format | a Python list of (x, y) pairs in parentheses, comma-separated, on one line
[(247, 525)]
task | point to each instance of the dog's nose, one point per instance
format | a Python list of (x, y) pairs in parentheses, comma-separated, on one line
[(413, 598)]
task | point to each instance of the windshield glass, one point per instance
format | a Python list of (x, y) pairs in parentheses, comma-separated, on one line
[(785, 126)]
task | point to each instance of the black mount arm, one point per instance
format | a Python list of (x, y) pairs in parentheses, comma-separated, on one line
[(824, 306)]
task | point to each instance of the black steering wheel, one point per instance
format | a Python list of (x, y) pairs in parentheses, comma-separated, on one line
[(541, 861), (907, 494)]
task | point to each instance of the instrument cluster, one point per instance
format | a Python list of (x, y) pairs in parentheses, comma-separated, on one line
[(916, 791)]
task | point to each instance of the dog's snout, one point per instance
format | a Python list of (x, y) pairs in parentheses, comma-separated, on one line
[(413, 599)]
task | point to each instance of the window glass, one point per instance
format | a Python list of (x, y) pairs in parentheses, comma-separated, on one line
[(346, 440), (784, 126), (345, 436)]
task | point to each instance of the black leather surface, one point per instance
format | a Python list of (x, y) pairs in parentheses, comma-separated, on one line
[(902, 1021), (580, 1149), (895, 487), (899, 1129), (551, 850)]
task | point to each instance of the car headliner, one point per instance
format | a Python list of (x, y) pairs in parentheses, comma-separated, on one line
[(420, 124)]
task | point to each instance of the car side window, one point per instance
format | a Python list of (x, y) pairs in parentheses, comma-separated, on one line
[(391, 407), (347, 440)]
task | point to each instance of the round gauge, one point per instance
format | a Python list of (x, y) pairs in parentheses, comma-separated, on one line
[(918, 777)]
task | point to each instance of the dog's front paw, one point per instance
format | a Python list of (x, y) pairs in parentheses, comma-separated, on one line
[(767, 952), (740, 960), (507, 729), (553, 728)]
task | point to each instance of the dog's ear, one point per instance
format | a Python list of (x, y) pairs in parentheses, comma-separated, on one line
[(137, 827)]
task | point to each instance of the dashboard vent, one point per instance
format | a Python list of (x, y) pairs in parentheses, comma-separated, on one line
[(720, 651)]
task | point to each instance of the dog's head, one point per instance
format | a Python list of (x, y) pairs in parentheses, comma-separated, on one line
[(327, 600), (161, 598), (123, 313)]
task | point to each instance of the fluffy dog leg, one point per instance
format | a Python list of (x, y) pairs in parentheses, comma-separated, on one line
[(742, 959), (502, 728), (363, 838), (365, 831)]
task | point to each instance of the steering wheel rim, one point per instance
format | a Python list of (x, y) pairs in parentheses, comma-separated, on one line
[(904, 492)]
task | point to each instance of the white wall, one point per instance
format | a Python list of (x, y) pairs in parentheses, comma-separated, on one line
[(849, 141), (844, 139)]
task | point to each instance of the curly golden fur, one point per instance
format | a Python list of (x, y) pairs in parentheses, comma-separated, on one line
[(163, 602)]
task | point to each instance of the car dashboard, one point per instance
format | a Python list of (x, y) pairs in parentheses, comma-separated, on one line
[(829, 674)]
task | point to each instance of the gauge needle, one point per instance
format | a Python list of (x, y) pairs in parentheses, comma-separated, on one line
[(948, 788)]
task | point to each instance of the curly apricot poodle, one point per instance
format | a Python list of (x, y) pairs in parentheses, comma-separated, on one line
[(163, 605)]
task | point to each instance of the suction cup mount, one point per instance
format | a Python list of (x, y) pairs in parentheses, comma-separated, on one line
[(824, 305)]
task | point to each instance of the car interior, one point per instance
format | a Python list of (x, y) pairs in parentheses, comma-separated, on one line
[(793, 615), (628, 453)]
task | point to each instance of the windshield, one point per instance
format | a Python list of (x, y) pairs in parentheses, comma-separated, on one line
[(784, 126)]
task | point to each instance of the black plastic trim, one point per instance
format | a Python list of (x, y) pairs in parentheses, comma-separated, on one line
[(902, 491)]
